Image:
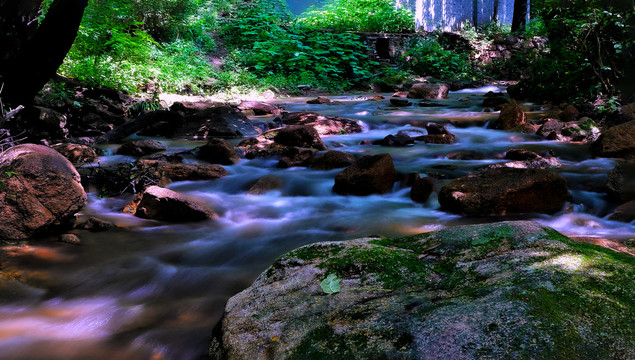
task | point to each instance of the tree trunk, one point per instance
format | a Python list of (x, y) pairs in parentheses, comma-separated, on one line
[(519, 18), (37, 56)]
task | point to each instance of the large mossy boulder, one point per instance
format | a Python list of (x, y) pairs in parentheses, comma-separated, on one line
[(509, 290), (505, 190), (40, 191)]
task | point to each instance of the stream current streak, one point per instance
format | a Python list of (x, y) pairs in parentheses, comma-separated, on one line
[(154, 291)]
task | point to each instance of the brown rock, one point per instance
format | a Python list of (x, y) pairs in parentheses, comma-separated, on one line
[(94, 225), (437, 134), (624, 212), (259, 108), (618, 141), (320, 100), (141, 147), (166, 205), (324, 125), (40, 190), (299, 136), (296, 157), (371, 174), (265, 184), (218, 151), (505, 191), (69, 239), (77, 154), (165, 173), (510, 117), (421, 189), (570, 113), (428, 91), (494, 101), (332, 160)]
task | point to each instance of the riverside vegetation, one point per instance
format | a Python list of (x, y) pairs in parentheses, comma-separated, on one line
[(178, 201)]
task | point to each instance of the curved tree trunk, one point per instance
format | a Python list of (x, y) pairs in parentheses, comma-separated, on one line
[(35, 52), (519, 17)]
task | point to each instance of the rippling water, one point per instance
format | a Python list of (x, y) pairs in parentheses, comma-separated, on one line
[(154, 291)]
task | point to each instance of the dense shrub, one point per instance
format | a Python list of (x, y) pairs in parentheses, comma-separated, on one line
[(359, 15), (425, 56)]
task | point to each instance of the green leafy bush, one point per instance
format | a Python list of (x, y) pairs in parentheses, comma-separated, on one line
[(359, 15), (425, 56), (586, 59)]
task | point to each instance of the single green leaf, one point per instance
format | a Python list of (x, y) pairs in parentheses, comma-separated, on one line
[(331, 284)]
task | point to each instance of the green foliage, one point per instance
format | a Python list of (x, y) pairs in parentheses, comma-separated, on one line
[(284, 53), (331, 284), (425, 56), (586, 59), (359, 15)]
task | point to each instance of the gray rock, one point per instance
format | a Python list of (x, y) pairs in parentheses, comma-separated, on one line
[(506, 290)]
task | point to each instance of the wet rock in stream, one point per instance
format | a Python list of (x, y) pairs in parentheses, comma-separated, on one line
[(371, 174), (504, 191), (162, 204), (504, 290), (40, 191)]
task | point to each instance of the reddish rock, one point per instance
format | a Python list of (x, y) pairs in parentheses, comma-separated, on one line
[(40, 190), (218, 151), (141, 147), (400, 94), (503, 191), (618, 141), (162, 204), (265, 184), (549, 126), (77, 154), (323, 124), (332, 160), (94, 225), (259, 108), (569, 113), (299, 136), (296, 157), (421, 189), (320, 100), (624, 212), (164, 173), (511, 116), (494, 101), (437, 134), (371, 174), (428, 91)]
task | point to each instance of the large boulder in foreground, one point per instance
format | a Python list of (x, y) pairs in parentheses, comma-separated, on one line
[(371, 174), (502, 191), (510, 290), (158, 203), (40, 190)]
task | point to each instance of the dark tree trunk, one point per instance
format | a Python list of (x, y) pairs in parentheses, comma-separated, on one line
[(35, 53), (519, 18), (495, 11)]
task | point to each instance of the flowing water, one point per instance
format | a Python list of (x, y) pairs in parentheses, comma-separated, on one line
[(149, 290)]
